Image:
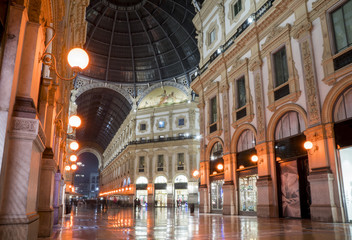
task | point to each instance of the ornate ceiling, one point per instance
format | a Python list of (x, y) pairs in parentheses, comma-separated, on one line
[(140, 41), (135, 46)]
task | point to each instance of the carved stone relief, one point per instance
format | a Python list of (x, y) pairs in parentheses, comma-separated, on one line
[(312, 100)]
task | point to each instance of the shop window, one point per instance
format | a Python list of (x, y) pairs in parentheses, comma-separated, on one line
[(342, 24), (180, 161), (237, 7), (141, 164), (160, 163), (216, 159), (248, 193)]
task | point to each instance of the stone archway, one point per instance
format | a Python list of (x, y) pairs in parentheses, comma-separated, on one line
[(96, 153)]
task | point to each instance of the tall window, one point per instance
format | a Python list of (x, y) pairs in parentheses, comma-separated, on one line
[(180, 161), (237, 7), (280, 67), (342, 23), (213, 115), (161, 124), (213, 110), (141, 164), (241, 93), (212, 36), (143, 126), (160, 163)]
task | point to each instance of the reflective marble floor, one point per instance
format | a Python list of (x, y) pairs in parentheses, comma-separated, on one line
[(167, 223)]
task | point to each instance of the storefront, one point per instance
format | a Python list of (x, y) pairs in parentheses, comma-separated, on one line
[(141, 190), (292, 167), (247, 173), (343, 132), (216, 178), (217, 195), (160, 194), (181, 190)]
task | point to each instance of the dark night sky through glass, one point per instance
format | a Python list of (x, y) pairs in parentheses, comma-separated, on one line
[(89, 165)]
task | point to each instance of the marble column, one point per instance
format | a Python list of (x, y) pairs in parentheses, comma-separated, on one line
[(57, 197), (46, 190), (18, 213)]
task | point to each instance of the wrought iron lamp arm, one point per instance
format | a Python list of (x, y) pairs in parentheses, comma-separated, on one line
[(50, 60)]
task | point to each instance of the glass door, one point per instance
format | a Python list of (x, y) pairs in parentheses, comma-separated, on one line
[(346, 166), (248, 193), (217, 200)]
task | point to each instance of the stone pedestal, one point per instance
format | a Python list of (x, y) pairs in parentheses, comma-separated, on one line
[(323, 206), (45, 201), (18, 215), (204, 199), (265, 207), (229, 207)]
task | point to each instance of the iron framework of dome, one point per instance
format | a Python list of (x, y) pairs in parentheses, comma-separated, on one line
[(140, 41)]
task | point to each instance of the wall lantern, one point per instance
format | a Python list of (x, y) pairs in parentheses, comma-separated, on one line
[(73, 158), (74, 146), (74, 121), (67, 168), (254, 158), (77, 58), (308, 145), (195, 173), (73, 166), (220, 167)]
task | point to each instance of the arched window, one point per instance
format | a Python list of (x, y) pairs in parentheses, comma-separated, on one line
[(128, 181), (246, 141), (124, 183), (343, 106), (290, 124), (160, 179), (181, 179), (142, 180), (216, 151)]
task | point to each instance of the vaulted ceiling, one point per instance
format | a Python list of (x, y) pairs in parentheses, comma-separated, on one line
[(132, 42)]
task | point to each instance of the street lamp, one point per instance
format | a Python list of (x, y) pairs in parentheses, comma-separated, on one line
[(73, 158), (74, 121)]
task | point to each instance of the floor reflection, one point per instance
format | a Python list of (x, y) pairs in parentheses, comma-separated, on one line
[(179, 223)]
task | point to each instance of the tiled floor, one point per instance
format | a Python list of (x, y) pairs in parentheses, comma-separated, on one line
[(166, 223)]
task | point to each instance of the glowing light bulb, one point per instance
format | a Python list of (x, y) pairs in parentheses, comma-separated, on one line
[(77, 57), (73, 158), (308, 145), (254, 158), (195, 173), (220, 166), (74, 146), (73, 166), (74, 121), (67, 168)]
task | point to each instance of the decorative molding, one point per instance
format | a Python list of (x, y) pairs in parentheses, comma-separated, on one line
[(312, 95), (260, 108)]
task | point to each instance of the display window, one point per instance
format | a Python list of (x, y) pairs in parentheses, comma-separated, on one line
[(217, 195), (248, 193)]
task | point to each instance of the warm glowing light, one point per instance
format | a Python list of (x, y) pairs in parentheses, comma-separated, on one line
[(67, 168), (77, 57), (73, 158), (195, 173), (74, 121), (73, 166), (308, 145), (74, 146), (130, 188), (148, 188), (220, 167), (215, 173), (241, 167), (254, 158)]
